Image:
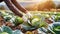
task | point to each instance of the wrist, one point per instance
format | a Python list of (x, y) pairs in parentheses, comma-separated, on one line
[(26, 11)]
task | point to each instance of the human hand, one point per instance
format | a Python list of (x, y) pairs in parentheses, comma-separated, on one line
[(29, 15)]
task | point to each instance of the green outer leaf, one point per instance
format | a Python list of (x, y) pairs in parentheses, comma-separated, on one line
[(18, 20), (17, 32), (7, 29), (4, 33)]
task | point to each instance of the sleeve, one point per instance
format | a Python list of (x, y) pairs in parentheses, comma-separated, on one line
[(1, 0), (13, 8), (19, 6)]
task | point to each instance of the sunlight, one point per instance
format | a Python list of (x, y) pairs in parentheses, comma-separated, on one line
[(31, 0)]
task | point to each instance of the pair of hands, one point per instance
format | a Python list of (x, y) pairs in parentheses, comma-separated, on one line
[(29, 15)]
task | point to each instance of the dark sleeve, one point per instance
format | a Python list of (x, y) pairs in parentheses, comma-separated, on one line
[(19, 6), (1, 0), (13, 8)]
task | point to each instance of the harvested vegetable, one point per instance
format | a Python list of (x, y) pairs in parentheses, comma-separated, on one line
[(18, 20), (4, 33)]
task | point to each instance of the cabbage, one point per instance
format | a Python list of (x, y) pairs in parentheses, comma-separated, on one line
[(4, 33), (18, 20)]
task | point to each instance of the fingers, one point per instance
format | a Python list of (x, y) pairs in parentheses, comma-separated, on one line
[(25, 18), (29, 15), (13, 8), (19, 6)]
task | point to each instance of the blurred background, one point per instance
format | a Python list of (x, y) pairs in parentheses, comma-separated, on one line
[(36, 5)]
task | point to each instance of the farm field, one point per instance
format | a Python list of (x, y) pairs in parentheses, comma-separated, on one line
[(47, 22)]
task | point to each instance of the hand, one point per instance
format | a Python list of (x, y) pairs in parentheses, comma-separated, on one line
[(25, 18), (28, 15)]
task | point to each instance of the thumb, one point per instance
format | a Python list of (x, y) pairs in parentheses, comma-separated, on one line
[(29, 15), (24, 18)]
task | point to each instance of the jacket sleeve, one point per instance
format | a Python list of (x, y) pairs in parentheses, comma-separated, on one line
[(13, 8), (19, 6), (1, 0)]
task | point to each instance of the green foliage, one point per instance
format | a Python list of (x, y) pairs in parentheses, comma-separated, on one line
[(18, 20), (7, 29), (3, 33)]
